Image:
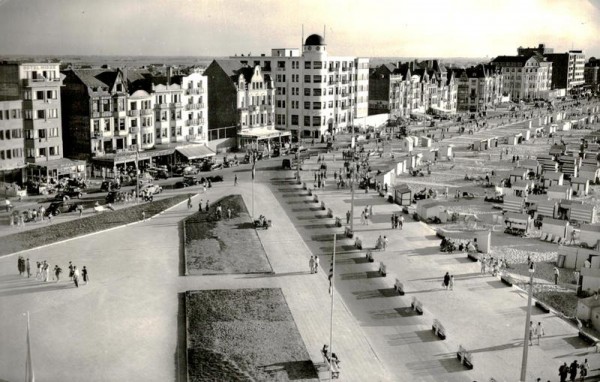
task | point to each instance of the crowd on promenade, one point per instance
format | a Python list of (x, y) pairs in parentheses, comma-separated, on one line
[(44, 274)]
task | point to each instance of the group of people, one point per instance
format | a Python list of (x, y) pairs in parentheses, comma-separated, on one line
[(365, 214), (382, 243), (43, 271), (397, 221), (492, 265), (572, 370), (333, 361), (448, 282)]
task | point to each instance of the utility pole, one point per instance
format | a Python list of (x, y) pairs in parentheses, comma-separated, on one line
[(527, 325)]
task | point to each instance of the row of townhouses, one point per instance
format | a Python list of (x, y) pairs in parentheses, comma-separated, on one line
[(110, 117)]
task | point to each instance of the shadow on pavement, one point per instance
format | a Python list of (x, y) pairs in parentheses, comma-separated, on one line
[(295, 370), (45, 287), (261, 275), (180, 356)]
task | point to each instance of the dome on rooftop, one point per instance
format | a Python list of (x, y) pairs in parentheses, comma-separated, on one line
[(314, 39)]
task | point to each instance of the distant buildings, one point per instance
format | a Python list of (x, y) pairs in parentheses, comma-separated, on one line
[(315, 93), (478, 87), (526, 77), (31, 143), (567, 68), (592, 75), (413, 87)]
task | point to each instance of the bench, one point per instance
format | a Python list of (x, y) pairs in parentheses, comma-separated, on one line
[(438, 329), (506, 280), (316, 198), (382, 269), (465, 357), (399, 287), (323, 205), (417, 306), (369, 256)]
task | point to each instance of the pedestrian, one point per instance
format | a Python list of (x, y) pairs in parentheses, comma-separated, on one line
[(228, 213), (189, 204), (347, 217), (20, 265), (84, 274), (57, 272), (451, 284), (207, 203), (316, 264), (71, 271), (563, 371), (311, 264), (362, 218), (38, 274), (46, 271), (401, 222), (76, 276), (385, 242), (235, 180), (573, 370), (28, 268), (531, 333), (204, 188), (583, 369), (539, 332), (393, 221), (143, 215), (556, 273), (446, 281)]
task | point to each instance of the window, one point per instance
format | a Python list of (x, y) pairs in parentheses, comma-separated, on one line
[(178, 130), (42, 152), (120, 123), (15, 113), (30, 153), (96, 125), (307, 105), (2, 154), (134, 123), (306, 91), (318, 65), (1, 134), (105, 105), (40, 114), (306, 120), (53, 132), (107, 125), (39, 94), (132, 105), (8, 154), (18, 133), (27, 95), (316, 92), (316, 105), (307, 78), (52, 113), (294, 120), (306, 64), (42, 133), (53, 150)]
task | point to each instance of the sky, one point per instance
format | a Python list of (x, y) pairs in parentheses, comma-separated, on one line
[(366, 28)]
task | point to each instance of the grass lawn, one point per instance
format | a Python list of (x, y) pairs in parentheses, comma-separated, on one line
[(57, 232), (244, 335), (224, 246)]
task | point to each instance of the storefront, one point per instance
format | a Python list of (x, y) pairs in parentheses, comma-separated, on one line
[(54, 169), (262, 139)]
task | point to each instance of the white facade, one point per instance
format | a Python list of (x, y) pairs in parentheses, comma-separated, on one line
[(195, 107), (316, 93)]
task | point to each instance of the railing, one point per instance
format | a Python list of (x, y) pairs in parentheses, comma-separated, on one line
[(40, 81), (192, 122), (133, 113), (195, 91), (146, 111), (177, 104), (134, 130)]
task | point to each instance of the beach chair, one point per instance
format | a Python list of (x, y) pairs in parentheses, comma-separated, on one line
[(549, 238), (556, 239), (543, 236)]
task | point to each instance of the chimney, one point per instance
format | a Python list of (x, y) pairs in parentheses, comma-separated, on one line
[(169, 74)]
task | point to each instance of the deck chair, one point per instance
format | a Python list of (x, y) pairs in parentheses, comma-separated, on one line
[(543, 236), (549, 238), (560, 240), (556, 239)]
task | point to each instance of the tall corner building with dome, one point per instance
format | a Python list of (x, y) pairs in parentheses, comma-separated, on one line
[(315, 93)]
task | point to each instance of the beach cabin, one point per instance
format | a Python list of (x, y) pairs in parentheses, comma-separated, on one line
[(526, 135), (415, 160), (402, 195), (580, 186), (521, 188), (518, 221), (518, 173), (481, 145), (588, 309), (564, 126), (557, 150), (515, 139), (407, 144), (590, 172), (531, 165), (589, 234), (553, 179), (547, 162), (446, 151), (546, 209), (425, 142), (429, 209), (569, 166), (559, 192), (550, 129), (577, 212), (513, 204), (556, 228)]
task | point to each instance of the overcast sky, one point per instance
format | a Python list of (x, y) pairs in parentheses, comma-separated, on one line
[(434, 28)]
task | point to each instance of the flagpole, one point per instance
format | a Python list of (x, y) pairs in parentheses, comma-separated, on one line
[(29, 375), (331, 283)]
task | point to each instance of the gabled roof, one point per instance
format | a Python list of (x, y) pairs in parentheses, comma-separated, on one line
[(96, 77), (553, 175), (512, 59)]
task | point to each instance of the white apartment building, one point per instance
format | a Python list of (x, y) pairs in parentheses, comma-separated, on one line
[(525, 77), (315, 93)]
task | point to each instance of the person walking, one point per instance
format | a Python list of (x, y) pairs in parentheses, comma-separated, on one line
[(401, 222), (189, 204), (583, 369), (46, 271), (573, 370), (446, 281), (362, 218), (531, 333), (76, 275), (347, 217), (311, 264), (385, 242), (70, 271), (539, 332), (207, 203), (38, 273), (235, 180), (556, 273), (451, 283), (20, 265), (563, 371), (57, 272), (393, 221), (84, 275), (28, 268), (316, 264), (200, 206), (228, 213)]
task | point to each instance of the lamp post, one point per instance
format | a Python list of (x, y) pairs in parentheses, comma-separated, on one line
[(527, 324)]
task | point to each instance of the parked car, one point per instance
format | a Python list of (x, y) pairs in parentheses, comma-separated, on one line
[(213, 179), (68, 193), (158, 173), (56, 208), (109, 185), (190, 180), (151, 189), (115, 196)]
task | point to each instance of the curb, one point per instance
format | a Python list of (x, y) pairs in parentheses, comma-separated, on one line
[(92, 233)]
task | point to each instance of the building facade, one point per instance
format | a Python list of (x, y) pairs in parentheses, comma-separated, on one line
[(525, 77), (315, 93), (30, 117), (567, 70), (241, 97), (592, 74), (401, 89), (479, 87)]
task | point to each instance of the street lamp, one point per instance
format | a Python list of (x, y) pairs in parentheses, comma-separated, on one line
[(527, 324)]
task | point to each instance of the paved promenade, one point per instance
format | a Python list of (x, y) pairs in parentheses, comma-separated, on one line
[(126, 324)]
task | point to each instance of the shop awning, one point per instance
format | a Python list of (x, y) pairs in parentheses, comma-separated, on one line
[(258, 133), (195, 151), (62, 165)]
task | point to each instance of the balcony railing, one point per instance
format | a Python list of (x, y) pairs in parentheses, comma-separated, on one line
[(192, 122), (194, 91), (107, 114), (146, 111), (40, 81), (134, 130), (177, 104), (133, 113)]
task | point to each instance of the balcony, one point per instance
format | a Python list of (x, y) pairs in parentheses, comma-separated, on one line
[(177, 104), (39, 82), (192, 122), (193, 91), (134, 130), (146, 111), (189, 106), (133, 113), (106, 114), (344, 69), (252, 107), (121, 132)]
